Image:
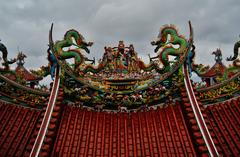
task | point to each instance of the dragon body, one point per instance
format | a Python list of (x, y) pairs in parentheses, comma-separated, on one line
[(94, 69), (235, 51), (236, 61), (146, 67), (6, 62), (70, 37), (199, 69), (166, 44)]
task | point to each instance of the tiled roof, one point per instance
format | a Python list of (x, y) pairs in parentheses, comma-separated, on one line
[(23, 73), (153, 133), (161, 132), (225, 121), (216, 70), (16, 128)]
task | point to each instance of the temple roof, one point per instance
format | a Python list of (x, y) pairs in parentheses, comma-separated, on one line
[(120, 107), (224, 119), (18, 126), (164, 131), (157, 132), (24, 74), (216, 70)]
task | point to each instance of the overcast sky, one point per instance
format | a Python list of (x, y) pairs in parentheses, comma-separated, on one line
[(25, 24)]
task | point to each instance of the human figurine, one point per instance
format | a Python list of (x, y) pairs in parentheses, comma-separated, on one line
[(52, 63), (121, 47), (109, 54), (118, 55), (105, 54), (131, 58)]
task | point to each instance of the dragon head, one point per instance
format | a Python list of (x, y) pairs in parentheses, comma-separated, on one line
[(160, 42), (82, 44)]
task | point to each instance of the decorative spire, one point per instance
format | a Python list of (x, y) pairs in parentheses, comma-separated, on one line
[(20, 59), (218, 55)]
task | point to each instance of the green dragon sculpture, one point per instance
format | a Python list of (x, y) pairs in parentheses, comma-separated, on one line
[(94, 69), (146, 67), (168, 37), (70, 37)]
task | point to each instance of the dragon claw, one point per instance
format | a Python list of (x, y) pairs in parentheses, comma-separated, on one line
[(229, 58), (153, 42), (90, 43)]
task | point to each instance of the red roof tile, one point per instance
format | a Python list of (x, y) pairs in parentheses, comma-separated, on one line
[(157, 132), (216, 70), (17, 125), (22, 72), (89, 133), (224, 119)]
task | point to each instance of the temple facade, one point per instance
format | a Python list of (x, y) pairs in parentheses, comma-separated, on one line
[(121, 106)]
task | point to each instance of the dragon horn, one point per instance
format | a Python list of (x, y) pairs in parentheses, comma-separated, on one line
[(50, 36), (191, 32)]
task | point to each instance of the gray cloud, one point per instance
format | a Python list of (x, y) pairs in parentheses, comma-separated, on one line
[(25, 23)]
